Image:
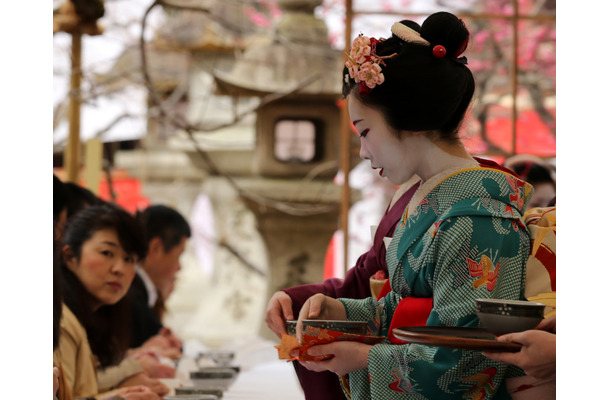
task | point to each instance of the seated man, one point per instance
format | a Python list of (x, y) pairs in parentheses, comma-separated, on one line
[(166, 232)]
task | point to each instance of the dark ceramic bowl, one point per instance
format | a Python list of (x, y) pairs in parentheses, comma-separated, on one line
[(209, 390), (501, 316), (221, 377), (235, 368), (218, 357), (354, 327)]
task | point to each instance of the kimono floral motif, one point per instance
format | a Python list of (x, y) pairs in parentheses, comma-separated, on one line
[(484, 385), (421, 207), (401, 384), (517, 223), (518, 187), (434, 228), (483, 271)]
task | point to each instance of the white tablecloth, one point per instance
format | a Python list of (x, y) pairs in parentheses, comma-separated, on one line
[(262, 375), (274, 380)]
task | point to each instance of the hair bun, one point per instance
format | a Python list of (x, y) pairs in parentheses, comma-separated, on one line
[(448, 30), (411, 24)]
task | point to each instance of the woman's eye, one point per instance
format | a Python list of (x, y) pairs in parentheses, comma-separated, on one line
[(107, 253), (130, 260), (364, 133)]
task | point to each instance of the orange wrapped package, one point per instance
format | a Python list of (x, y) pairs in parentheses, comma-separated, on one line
[(314, 336)]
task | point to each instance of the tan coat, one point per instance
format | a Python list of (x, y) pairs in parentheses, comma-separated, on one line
[(77, 364), (74, 357)]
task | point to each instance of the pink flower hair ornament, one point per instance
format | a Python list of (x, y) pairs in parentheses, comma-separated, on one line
[(364, 65)]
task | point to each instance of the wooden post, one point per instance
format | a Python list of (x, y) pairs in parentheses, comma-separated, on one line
[(346, 147), (514, 74), (94, 151), (73, 148)]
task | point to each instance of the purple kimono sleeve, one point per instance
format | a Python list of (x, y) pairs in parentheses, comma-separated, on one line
[(356, 282)]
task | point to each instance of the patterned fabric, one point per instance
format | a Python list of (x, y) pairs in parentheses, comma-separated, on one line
[(314, 336), (465, 240), (540, 280)]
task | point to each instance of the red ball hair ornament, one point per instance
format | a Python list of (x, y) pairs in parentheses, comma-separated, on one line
[(439, 51)]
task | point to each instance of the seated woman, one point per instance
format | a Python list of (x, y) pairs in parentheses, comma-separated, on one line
[(100, 247)]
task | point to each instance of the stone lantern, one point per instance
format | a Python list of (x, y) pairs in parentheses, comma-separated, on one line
[(297, 141)]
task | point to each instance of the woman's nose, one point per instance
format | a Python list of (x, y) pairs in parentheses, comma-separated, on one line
[(363, 153), (119, 267)]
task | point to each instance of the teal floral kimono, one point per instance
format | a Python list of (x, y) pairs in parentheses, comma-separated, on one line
[(464, 240)]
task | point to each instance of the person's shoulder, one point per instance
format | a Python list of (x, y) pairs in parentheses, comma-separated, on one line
[(70, 326), (67, 316), (137, 289)]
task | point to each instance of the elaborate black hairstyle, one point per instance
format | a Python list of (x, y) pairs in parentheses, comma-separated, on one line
[(423, 89), (107, 328)]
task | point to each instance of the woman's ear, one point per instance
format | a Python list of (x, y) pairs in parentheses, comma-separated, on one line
[(68, 257)]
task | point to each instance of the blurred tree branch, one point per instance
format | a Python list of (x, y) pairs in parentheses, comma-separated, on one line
[(160, 111)]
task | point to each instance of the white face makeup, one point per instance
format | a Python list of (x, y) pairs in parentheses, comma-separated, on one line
[(396, 157)]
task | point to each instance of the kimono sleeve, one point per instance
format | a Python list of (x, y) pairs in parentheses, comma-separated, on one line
[(377, 313)]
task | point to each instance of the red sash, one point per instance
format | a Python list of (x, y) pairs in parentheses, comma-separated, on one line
[(411, 311)]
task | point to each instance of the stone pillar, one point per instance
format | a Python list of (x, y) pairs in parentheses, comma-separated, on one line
[(296, 245)]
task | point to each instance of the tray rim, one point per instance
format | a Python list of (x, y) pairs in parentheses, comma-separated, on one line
[(409, 334)]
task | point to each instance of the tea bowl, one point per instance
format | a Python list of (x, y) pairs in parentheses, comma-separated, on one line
[(502, 316), (354, 327)]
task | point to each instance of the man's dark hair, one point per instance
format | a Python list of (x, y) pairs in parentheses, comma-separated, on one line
[(166, 223)]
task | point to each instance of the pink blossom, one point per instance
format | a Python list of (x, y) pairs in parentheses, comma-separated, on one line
[(353, 70), (371, 74), (361, 49)]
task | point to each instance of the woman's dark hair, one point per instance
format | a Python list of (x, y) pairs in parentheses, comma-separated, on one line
[(420, 91), (108, 327), (533, 173), (79, 198), (166, 223), (60, 197), (57, 296)]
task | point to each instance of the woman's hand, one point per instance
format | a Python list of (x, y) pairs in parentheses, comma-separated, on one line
[(548, 324), (153, 365), (163, 344), (319, 306), (142, 379), (347, 357), (132, 393), (537, 356), (279, 310), (55, 380), (172, 339)]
